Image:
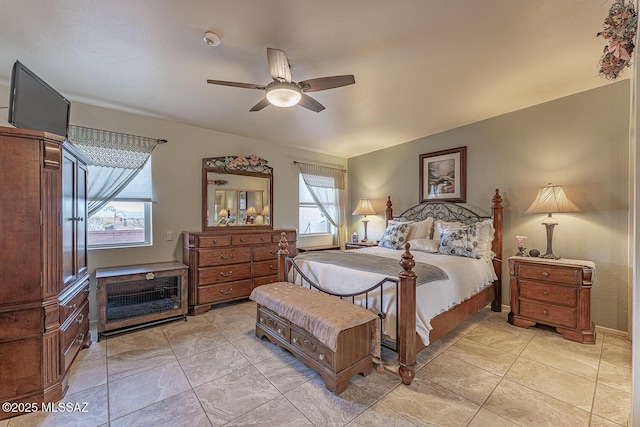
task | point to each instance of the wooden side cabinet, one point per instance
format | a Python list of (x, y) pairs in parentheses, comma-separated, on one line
[(555, 293)]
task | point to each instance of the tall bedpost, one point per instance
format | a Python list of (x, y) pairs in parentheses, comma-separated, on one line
[(388, 213), (406, 344), (497, 211), (282, 254)]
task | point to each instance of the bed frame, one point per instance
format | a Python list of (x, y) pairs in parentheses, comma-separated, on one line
[(408, 343)]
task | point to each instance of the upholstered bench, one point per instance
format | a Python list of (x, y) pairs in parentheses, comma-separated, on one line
[(333, 337)]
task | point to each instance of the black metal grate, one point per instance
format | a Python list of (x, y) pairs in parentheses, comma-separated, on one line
[(142, 297)]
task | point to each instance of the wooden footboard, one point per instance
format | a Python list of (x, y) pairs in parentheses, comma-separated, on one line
[(408, 343)]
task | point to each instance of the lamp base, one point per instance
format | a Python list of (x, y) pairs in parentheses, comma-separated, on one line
[(549, 254), (365, 221)]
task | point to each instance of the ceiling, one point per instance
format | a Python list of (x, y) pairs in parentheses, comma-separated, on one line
[(421, 66)]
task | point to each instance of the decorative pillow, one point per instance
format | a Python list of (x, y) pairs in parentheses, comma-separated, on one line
[(417, 229), (485, 239), (460, 241), (395, 236), (425, 245), (439, 225)]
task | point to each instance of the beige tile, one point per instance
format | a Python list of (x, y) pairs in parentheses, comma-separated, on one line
[(150, 338), (490, 359), (234, 323), (227, 398), (86, 408), (277, 412), (597, 421), (425, 403), (377, 384), (616, 376), (285, 371), (568, 388), (556, 352), (324, 408), (501, 336), (527, 407), (462, 378), (132, 393), (255, 349), (193, 336), (485, 418), (380, 415), (182, 409), (616, 350), (89, 369), (209, 365), (612, 404)]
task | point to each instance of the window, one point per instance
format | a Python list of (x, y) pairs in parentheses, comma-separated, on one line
[(125, 220), (311, 219)]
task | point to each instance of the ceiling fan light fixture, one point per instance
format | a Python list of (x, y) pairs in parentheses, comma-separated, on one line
[(282, 94)]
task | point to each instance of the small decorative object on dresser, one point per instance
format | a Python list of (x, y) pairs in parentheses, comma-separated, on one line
[(522, 251), (555, 293)]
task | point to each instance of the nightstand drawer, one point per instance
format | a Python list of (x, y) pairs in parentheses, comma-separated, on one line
[(551, 273), (546, 292), (549, 314)]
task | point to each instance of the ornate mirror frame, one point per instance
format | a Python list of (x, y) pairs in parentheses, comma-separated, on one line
[(231, 185)]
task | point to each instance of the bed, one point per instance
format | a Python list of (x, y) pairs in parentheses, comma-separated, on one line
[(418, 305)]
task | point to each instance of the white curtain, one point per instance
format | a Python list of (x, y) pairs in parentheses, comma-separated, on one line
[(116, 160), (326, 185)]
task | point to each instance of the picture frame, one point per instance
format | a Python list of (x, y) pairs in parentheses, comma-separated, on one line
[(443, 175)]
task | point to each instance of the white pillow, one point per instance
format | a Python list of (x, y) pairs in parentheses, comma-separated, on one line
[(424, 245), (417, 229), (485, 235)]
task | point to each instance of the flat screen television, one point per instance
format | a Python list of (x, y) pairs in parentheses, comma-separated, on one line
[(33, 104)]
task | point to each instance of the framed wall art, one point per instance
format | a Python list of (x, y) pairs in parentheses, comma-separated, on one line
[(443, 175)]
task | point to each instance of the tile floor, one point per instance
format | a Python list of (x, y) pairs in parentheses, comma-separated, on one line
[(213, 371)]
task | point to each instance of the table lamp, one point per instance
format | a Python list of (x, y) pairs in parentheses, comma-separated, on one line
[(251, 212), (551, 199), (364, 208)]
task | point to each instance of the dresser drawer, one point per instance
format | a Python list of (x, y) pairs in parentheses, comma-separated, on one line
[(556, 273), (265, 268), (250, 239), (277, 325), (224, 292), (549, 314), (264, 280), (549, 293), (265, 252), (289, 235), (68, 307), (311, 347), (73, 326), (225, 273), (230, 255), (213, 241)]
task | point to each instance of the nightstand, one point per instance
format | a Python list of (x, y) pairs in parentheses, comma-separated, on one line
[(360, 245), (317, 248), (555, 293)]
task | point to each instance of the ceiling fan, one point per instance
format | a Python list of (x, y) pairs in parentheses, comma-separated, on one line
[(282, 92)]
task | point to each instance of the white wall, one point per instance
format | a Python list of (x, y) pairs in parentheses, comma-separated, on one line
[(177, 176), (580, 142)]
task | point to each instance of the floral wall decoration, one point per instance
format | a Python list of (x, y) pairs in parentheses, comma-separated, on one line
[(619, 29)]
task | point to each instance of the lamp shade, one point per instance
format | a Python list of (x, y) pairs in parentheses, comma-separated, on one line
[(252, 211), (364, 208), (265, 210), (552, 199), (223, 213)]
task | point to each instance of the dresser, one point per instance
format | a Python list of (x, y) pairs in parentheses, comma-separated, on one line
[(226, 265), (43, 274), (556, 293)]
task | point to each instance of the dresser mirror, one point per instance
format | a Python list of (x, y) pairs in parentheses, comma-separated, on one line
[(236, 192)]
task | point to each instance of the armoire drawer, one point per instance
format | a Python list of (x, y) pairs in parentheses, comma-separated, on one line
[(70, 329)]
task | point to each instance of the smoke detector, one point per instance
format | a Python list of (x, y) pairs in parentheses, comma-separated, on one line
[(212, 39)]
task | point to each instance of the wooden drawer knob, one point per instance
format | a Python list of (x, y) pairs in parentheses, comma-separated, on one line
[(226, 257), (80, 318), (545, 312), (545, 293), (262, 320), (321, 356), (223, 292), (545, 274), (72, 306), (80, 339), (279, 330), (295, 340), (229, 274)]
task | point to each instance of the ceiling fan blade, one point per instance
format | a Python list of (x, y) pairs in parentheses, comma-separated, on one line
[(278, 65), (236, 84), (264, 102), (324, 83), (310, 104)]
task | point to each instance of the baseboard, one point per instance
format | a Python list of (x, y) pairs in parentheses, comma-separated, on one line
[(611, 331)]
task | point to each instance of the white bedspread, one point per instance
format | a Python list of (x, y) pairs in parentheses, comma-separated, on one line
[(467, 277)]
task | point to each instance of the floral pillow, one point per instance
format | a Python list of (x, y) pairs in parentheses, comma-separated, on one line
[(395, 236), (460, 241)]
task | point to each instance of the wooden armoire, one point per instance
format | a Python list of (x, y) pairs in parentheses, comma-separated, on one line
[(44, 281)]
